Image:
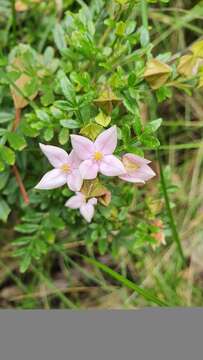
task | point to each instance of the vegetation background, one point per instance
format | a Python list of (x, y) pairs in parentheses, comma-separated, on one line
[(79, 66)]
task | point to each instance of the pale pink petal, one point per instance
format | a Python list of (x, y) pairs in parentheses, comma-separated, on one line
[(52, 180), (56, 156), (143, 174), (89, 169), (74, 180), (87, 211), (106, 142), (111, 166), (131, 179), (92, 201), (74, 160), (75, 202), (136, 159), (83, 147)]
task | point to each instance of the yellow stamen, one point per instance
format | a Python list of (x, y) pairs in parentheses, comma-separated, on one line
[(98, 155), (65, 168)]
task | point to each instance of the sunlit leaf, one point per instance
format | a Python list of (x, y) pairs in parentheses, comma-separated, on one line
[(91, 130), (103, 119)]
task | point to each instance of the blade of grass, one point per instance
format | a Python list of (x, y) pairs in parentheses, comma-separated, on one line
[(128, 283), (169, 211), (13, 19)]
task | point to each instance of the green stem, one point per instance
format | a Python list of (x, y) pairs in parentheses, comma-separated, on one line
[(144, 13), (13, 19), (169, 211)]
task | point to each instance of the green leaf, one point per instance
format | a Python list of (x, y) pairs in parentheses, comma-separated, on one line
[(63, 136), (130, 27), (144, 36), (70, 124), (22, 240), (16, 141), (27, 228), (7, 155), (120, 28), (25, 263), (102, 245), (59, 37), (42, 115), (48, 134), (4, 210), (137, 124), (2, 166), (6, 117), (48, 96), (149, 140), (31, 87), (63, 105), (3, 179), (66, 87), (153, 126), (130, 104)]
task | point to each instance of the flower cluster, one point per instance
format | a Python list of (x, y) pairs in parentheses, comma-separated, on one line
[(85, 161)]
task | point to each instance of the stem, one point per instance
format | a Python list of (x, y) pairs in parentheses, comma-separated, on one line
[(169, 211), (14, 168), (13, 19), (17, 119), (144, 13), (20, 184)]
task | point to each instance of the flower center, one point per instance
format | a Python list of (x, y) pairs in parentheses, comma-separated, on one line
[(98, 155), (130, 166), (65, 168)]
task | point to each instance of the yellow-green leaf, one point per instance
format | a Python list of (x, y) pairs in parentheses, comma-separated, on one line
[(103, 119), (197, 49), (16, 141), (7, 155), (120, 28), (91, 130)]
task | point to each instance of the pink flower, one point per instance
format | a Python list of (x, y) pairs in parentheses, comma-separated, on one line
[(65, 169), (78, 201), (137, 169), (97, 156)]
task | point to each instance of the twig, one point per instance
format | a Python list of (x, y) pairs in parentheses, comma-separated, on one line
[(17, 119), (20, 184), (14, 168)]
